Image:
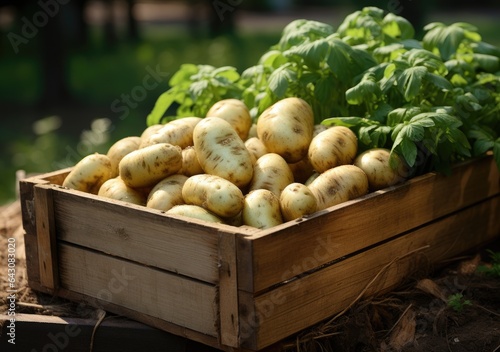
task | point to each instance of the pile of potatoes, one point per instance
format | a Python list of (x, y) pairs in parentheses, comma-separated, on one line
[(224, 168)]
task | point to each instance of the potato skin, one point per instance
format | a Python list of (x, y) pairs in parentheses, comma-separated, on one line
[(297, 200), (190, 164), (235, 112), (121, 148), (376, 163), (147, 166), (195, 212), (339, 184), (167, 193), (255, 146), (148, 131), (271, 172), (177, 132), (335, 146), (286, 128), (89, 173), (213, 193), (115, 188), (222, 152), (261, 209)]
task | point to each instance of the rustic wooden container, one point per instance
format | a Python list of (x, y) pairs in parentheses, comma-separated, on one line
[(242, 288)]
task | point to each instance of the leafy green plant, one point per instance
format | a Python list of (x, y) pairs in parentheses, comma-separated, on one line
[(457, 302), (493, 269)]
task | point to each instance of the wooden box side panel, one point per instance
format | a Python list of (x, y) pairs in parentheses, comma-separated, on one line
[(137, 233), (276, 314), (278, 254), (187, 303)]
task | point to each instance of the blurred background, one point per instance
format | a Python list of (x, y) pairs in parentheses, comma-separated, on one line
[(75, 75)]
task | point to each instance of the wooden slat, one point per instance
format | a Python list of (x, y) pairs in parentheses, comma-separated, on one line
[(114, 334), (281, 253), (304, 302), (147, 236), (46, 238), (173, 298), (228, 290)]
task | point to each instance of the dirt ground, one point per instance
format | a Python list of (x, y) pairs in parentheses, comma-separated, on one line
[(417, 316)]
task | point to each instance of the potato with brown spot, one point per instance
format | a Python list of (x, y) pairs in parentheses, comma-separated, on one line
[(256, 148), (213, 193), (147, 166), (286, 128), (338, 185), (235, 112), (222, 152), (271, 172), (89, 173), (261, 209), (115, 188), (190, 163), (167, 193), (177, 132), (194, 212), (335, 146), (382, 168), (121, 148), (297, 200)]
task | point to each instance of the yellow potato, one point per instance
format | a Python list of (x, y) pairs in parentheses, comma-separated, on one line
[(339, 184), (167, 193), (255, 147), (147, 166), (271, 172), (148, 131), (177, 132), (213, 193), (235, 112), (376, 163), (335, 146), (261, 209), (190, 164), (222, 152), (115, 188), (89, 174), (286, 128), (195, 212), (297, 200), (121, 148)]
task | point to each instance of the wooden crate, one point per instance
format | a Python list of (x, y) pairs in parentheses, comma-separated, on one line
[(241, 288)]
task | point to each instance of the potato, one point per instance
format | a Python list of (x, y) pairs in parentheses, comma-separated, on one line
[(90, 173), (147, 166), (148, 131), (286, 128), (167, 193), (255, 147), (335, 146), (222, 152), (311, 178), (376, 163), (115, 188), (301, 170), (121, 148), (271, 172), (190, 164), (213, 193), (235, 112), (253, 131), (177, 132), (297, 200), (261, 209), (338, 185), (195, 212)]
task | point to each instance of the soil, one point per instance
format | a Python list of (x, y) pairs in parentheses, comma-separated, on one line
[(417, 316)]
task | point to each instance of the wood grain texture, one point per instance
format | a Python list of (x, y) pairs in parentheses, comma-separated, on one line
[(173, 298), (305, 301), (281, 253)]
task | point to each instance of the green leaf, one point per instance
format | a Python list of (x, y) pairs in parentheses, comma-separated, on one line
[(439, 81), (323, 90), (312, 53), (481, 146), (488, 63), (410, 81), (409, 151), (162, 104), (183, 74), (279, 81), (364, 92)]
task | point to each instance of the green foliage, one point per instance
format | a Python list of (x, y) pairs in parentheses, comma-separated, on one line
[(493, 269), (457, 302), (434, 102)]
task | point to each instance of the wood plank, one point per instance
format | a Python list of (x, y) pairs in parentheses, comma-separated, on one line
[(46, 238), (173, 298), (114, 334), (271, 256), (301, 303), (228, 290), (147, 236)]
